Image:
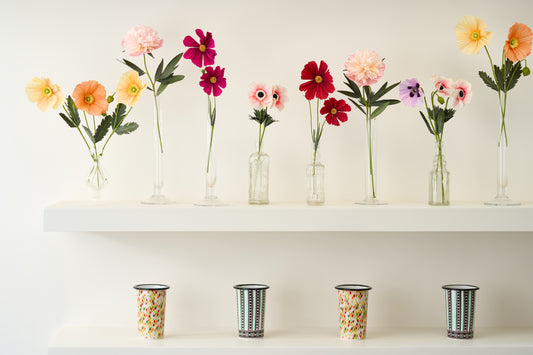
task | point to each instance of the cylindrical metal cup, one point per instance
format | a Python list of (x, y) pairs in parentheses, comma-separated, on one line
[(353, 305), (151, 300), (251, 309), (460, 304)]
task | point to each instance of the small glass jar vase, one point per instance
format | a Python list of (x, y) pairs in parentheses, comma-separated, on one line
[(315, 181), (439, 180), (259, 163), (96, 179)]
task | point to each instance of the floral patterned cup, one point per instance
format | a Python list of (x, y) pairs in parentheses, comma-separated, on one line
[(460, 304), (353, 305), (151, 300), (251, 310)]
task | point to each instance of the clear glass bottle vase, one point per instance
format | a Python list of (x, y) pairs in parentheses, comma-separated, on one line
[(96, 178), (315, 180), (439, 180), (259, 165), (210, 172), (157, 197), (371, 166)]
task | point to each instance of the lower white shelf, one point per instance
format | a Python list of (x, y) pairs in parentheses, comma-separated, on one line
[(122, 341)]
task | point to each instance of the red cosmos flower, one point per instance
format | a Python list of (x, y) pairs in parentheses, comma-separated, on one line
[(335, 111), (212, 80), (200, 53), (320, 81)]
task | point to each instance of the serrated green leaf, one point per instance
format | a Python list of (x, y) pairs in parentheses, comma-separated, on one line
[(379, 110), (172, 79), (358, 106), (67, 119), (89, 134), (118, 115), (158, 71), (134, 67), (440, 120), (426, 122), (161, 88), (498, 76), (488, 80), (73, 111), (102, 129), (448, 114), (127, 128), (514, 75)]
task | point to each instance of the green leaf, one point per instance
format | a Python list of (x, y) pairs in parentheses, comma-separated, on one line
[(426, 122), (440, 120), (384, 89), (67, 119), (151, 55), (134, 67), (73, 111), (161, 88), (488, 80), (498, 76), (358, 106), (159, 70), (448, 114), (127, 128), (118, 115), (213, 116), (102, 129), (171, 66), (353, 86), (389, 101), (368, 92), (379, 110), (514, 75), (348, 93), (172, 79), (89, 134)]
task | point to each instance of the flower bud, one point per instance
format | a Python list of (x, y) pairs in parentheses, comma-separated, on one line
[(441, 100), (526, 71), (110, 99)]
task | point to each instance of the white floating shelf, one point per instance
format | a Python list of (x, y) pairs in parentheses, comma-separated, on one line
[(408, 341), (130, 216)]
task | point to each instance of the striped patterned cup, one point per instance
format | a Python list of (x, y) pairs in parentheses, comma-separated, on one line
[(151, 301), (460, 304), (353, 306), (251, 309)]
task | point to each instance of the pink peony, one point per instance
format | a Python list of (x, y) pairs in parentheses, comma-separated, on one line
[(279, 97), (259, 95), (461, 93), (141, 40), (443, 85), (364, 68)]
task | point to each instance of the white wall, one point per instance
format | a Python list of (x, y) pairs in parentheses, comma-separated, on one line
[(51, 280)]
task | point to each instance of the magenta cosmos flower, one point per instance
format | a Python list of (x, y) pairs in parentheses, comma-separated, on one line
[(213, 80), (141, 40), (461, 94), (335, 111), (201, 54), (364, 68), (319, 82), (279, 97), (411, 92), (259, 95)]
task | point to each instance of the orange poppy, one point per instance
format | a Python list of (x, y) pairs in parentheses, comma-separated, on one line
[(518, 44), (90, 96)]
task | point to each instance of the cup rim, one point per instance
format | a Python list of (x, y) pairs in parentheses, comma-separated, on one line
[(251, 287), (460, 287), (151, 287), (353, 287)]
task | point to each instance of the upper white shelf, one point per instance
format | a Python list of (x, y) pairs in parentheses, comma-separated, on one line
[(132, 216)]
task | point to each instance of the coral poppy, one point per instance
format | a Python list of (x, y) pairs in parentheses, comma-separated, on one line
[(46, 94), (462, 93), (320, 81), (518, 44), (141, 40), (411, 93), (201, 54), (279, 97), (129, 88), (213, 80), (259, 95), (471, 34), (443, 85), (335, 111), (90, 96), (364, 67)]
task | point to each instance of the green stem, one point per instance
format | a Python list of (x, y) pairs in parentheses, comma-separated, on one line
[(81, 134), (212, 123), (503, 130), (115, 128), (369, 142), (155, 102)]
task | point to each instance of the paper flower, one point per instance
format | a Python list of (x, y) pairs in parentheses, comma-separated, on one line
[(46, 94), (259, 95), (335, 111), (471, 34), (461, 94), (443, 85), (518, 44), (279, 97), (364, 67), (319, 82), (129, 88), (411, 93), (141, 40), (90, 96), (213, 80), (201, 54)]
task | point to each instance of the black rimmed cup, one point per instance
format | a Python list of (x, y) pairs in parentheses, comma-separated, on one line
[(251, 309), (151, 302), (353, 306), (460, 305)]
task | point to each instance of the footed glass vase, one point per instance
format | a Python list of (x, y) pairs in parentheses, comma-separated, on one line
[(157, 197), (315, 180), (96, 179), (259, 163), (439, 180), (371, 197), (210, 172)]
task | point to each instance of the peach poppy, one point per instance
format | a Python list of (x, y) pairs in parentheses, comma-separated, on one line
[(46, 94), (471, 34), (90, 96), (518, 44), (129, 88)]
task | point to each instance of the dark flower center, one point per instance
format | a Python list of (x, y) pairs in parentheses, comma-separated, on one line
[(260, 94), (461, 94), (441, 87), (202, 48), (213, 80), (318, 79), (275, 96), (414, 90)]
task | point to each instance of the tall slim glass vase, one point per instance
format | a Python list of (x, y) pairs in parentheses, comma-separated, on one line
[(371, 170)]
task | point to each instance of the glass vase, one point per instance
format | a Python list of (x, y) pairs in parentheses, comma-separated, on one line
[(96, 179), (315, 180), (439, 180), (259, 164), (371, 166), (502, 198), (157, 197)]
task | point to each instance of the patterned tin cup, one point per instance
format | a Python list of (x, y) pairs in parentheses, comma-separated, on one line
[(460, 304), (151, 300), (251, 309), (353, 305)]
